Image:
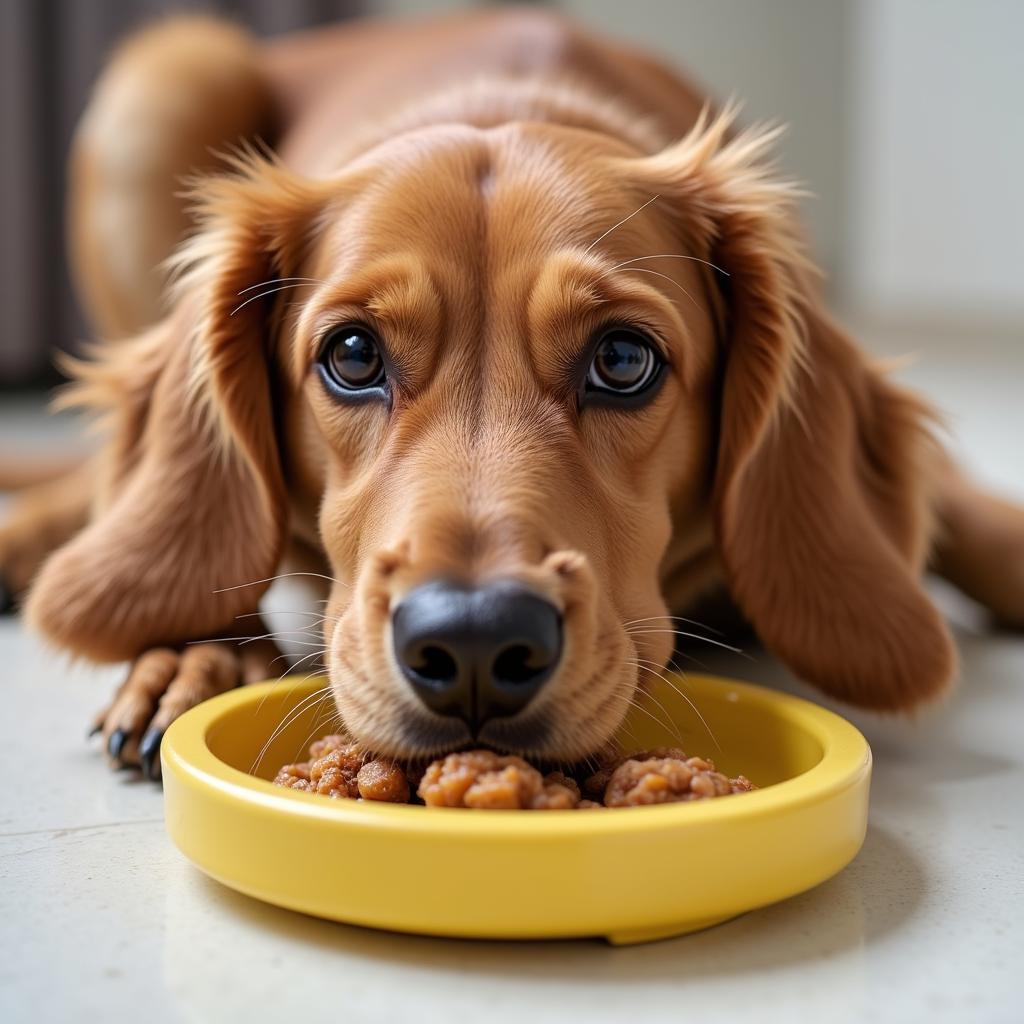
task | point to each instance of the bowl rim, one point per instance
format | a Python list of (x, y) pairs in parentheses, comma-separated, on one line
[(846, 757)]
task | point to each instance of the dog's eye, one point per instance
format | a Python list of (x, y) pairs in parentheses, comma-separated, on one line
[(625, 363), (351, 359)]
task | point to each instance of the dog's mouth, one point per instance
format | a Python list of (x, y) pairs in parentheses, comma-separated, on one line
[(535, 662), (572, 717)]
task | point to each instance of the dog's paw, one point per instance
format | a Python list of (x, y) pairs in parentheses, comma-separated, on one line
[(163, 684)]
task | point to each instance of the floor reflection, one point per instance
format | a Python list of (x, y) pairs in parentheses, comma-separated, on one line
[(877, 895)]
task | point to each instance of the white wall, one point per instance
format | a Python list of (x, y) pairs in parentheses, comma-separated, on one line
[(937, 198)]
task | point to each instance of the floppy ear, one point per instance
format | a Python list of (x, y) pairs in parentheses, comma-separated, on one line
[(193, 501), (823, 478)]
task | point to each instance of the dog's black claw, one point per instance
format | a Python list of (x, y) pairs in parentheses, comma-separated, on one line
[(118, 738), (149, 753), (94, 731), (7, 602)]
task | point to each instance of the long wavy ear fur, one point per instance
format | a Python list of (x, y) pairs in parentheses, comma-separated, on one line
[(822, 496), (192, 501)]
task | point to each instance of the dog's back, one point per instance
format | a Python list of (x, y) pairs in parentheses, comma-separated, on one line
[(181, 95)]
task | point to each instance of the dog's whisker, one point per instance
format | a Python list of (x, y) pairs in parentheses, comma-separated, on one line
[(298, 643), (305, 700), (310, 701), (630, 697), (692, 636), (291, 668), (288, 718), (673, 726), (296, 681), (279, 576), (600, 238), (280, 729), (305, 658), (668, 682), (625, 697), (670, 256), (319, 726), (674, 618), (281, 280), (270, 291), (654, 718), (671, 662), (296, 611), (650, 696), (657, 273), (312, 636), (243, 640), (310, 631), (676, 653)]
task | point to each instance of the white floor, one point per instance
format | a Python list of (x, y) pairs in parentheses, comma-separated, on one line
[(100, 918)]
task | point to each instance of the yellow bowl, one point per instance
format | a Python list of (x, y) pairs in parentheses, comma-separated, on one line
[(628, 875)]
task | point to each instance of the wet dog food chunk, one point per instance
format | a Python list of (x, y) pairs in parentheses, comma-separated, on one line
[(484, 780), (319, 748), (381, 779), (608, 760), (662, 780), (294, 776)]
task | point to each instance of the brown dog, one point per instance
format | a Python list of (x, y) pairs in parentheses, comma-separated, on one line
[(521, 345)]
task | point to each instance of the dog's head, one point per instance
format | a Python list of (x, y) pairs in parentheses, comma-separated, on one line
[(521, 377)]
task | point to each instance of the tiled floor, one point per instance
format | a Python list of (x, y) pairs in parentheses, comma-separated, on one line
[(100, 918)]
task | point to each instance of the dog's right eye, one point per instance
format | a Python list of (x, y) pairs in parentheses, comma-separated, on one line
[(351, 359)]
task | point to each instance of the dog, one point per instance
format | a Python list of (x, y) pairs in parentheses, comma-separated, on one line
[(503, 331)]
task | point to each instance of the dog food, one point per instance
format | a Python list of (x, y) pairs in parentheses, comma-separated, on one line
[(338, 768), (482, 779), (669, 779)]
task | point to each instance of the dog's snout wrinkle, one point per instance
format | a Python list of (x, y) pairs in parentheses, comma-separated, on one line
[(476, 652)]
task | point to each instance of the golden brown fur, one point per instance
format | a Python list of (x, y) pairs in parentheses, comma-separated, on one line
[(482, 190)]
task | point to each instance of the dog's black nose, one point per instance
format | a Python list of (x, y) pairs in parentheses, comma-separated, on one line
[(476, 652)]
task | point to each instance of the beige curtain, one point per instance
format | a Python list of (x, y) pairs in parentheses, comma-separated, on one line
[(50, 52)]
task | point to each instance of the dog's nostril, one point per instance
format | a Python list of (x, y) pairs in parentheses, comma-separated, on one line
[(518, 664), (435, 663)]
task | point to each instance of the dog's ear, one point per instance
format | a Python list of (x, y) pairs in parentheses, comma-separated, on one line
[(821, 494), (192, 501)]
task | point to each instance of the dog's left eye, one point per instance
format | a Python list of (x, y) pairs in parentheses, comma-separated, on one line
[(625, 363), (351, 359)]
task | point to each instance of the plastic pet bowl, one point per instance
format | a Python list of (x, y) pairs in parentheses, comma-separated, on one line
[(630, 875)]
